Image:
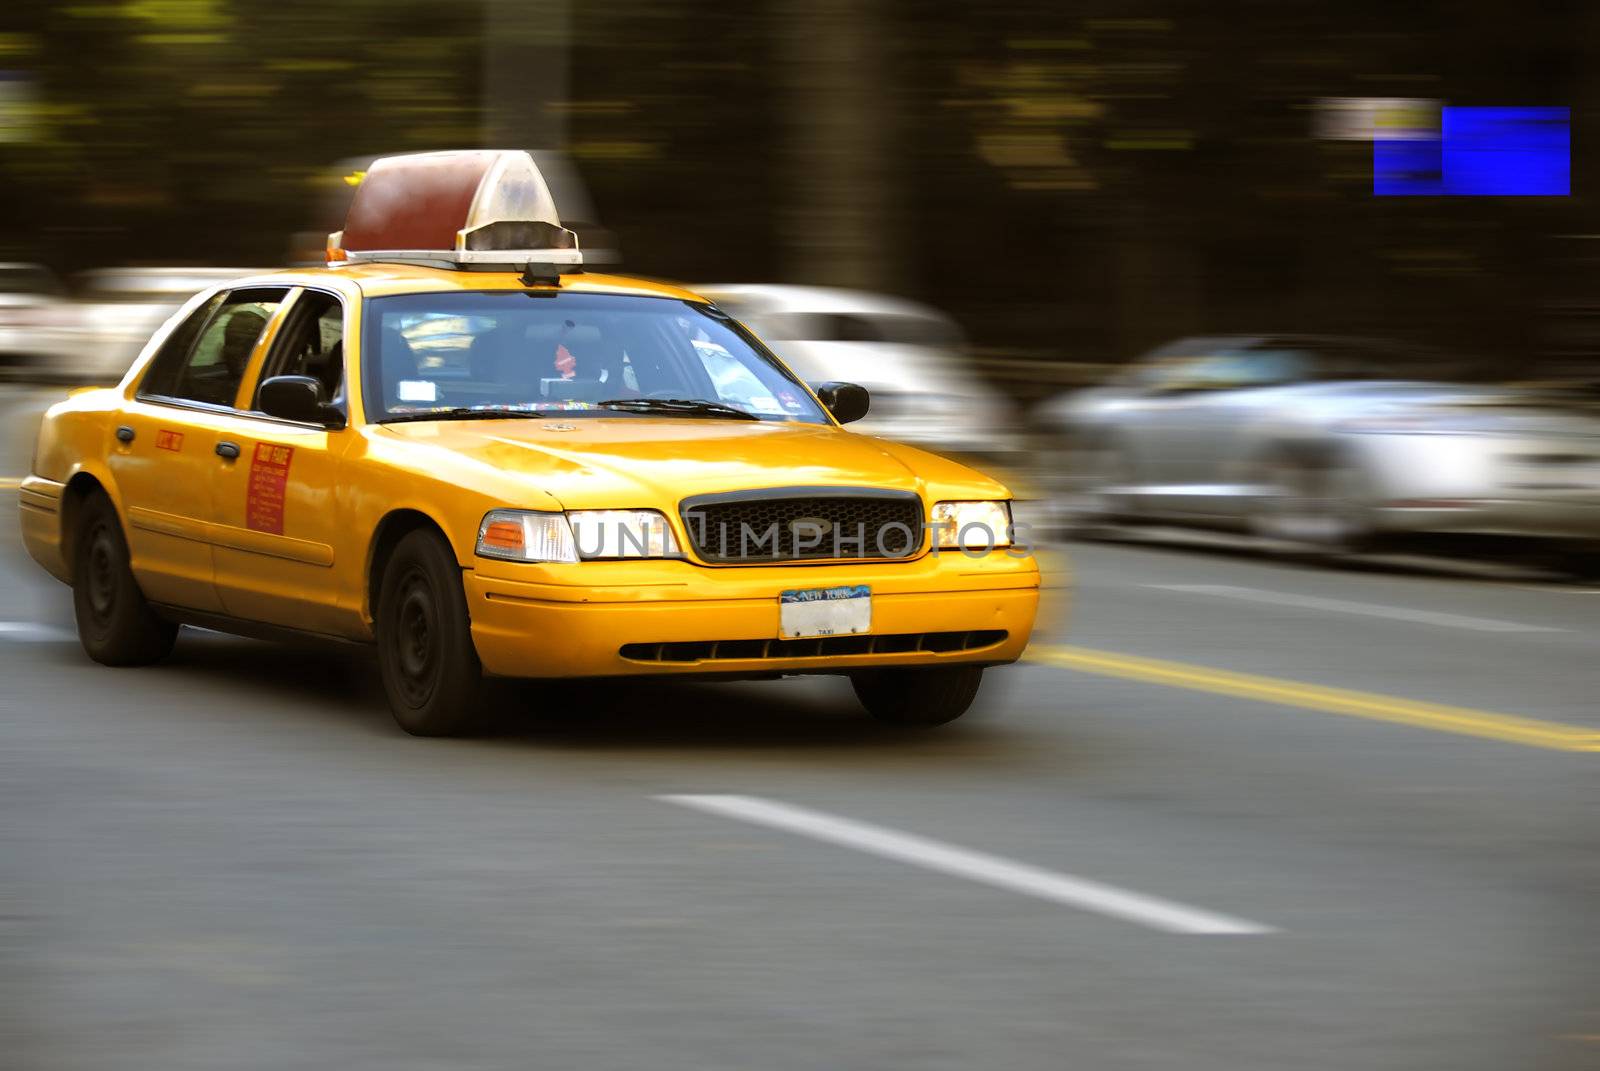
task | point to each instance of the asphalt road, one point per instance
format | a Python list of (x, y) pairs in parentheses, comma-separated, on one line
[(1166, 842)]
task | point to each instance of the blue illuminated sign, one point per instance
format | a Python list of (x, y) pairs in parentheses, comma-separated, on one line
[(1480, 152)]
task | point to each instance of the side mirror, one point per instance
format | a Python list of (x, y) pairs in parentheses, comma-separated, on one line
[(846, 401), (298, 398)]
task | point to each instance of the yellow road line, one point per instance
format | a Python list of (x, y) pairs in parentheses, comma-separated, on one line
[(1465, 721)]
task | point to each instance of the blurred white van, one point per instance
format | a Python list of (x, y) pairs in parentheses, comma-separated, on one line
[(910, 357)]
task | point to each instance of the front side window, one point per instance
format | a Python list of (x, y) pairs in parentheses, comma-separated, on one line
[(310, 343), (210, 368), (534, 352)]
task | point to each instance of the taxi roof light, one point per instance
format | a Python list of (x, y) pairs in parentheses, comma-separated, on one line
[(477, 208)]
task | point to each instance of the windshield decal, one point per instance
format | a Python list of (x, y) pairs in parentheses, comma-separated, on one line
[(417, 390)]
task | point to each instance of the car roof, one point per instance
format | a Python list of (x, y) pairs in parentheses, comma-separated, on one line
[(1341, 342), (782, 297), (1407, 360), (375, 279), (156, 279)]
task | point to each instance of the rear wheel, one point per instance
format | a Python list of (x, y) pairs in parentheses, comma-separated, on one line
[(918, 695), (1313, 508), (115, 624), (430, 668)]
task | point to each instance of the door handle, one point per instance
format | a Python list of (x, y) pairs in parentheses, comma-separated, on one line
[(228, 450), (124, 433)]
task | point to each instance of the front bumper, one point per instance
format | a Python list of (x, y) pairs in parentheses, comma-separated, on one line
[(1487, 484), (574, 620), (39, 509)]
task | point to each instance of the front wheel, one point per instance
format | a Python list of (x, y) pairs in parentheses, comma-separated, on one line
[(115, 624), (1091, 481), (430, 668), (919, 696)]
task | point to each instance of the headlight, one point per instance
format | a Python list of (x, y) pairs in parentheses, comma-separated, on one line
[(623, 533), (525, 536), (972, 525)]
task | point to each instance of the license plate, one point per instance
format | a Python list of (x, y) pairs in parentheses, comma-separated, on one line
[(808, 612)]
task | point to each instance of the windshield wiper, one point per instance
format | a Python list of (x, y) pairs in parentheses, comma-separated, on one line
[(686, 406), (464, 414)]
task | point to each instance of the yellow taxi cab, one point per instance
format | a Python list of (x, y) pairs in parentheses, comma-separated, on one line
[(455, 444)]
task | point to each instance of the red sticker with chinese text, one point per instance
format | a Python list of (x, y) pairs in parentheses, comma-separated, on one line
[(269, 479), (167, 439)]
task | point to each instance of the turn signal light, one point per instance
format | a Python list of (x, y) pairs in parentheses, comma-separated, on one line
[(503, 535)]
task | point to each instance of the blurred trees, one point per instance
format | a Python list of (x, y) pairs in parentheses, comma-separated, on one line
[(1073, 179), (202, 130), (838, 108)]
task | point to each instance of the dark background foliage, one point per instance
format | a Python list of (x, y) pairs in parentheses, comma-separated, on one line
[(1070, 180)]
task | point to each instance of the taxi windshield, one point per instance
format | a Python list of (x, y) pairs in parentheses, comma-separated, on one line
[(472, 353)]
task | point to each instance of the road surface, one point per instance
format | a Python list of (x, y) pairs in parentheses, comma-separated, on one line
[(1230, 815)]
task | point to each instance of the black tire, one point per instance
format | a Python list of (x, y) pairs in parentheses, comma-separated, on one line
[(431, 673), (1581, 562), (917, 696), (1316, 511), (116, 625)]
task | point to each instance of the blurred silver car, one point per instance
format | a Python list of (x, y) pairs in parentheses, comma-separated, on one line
[(908, 356), (95, 336), (30, 298), (1322, 443)]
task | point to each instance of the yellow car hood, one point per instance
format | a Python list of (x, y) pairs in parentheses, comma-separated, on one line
[(610, 462)]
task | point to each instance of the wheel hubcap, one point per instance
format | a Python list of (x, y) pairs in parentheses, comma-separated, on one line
[(1306, 508), (102, 576), (416, 639)]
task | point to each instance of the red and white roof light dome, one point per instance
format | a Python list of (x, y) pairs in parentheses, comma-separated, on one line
[(455, 209)]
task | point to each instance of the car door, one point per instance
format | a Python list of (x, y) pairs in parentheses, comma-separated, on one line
[(1210, 436), (277, 504), (163, 451), (1145, 420)]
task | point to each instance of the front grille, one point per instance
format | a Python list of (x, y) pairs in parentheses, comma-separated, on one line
[(804, 524), (821, 647)]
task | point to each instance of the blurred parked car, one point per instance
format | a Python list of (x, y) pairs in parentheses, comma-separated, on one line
[(94, 336), (908, 356), (1324, 444), (30, 295)]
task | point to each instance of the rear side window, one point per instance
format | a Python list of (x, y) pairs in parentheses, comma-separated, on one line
[(900, 328), (207, 365), (1162, 373), (169, 359), (1252, 368), (783, 326)]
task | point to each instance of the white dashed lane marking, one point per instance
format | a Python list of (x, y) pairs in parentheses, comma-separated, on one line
[(981, 867), (26, 631)]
